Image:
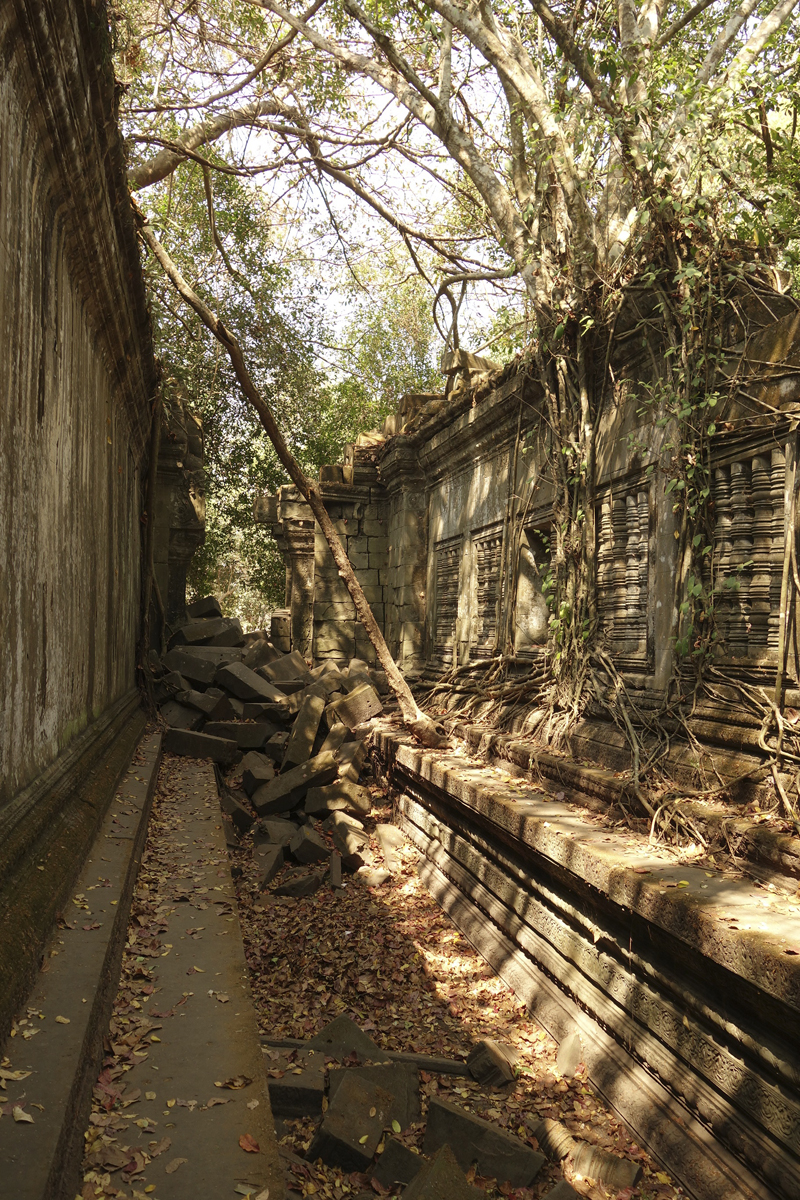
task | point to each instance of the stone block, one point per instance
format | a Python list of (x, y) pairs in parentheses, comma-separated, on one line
[(331, 473), (270, 863), (174, 683), (199, 745), (341, 796), (616, 1174), (358, 706), (336, 737), (335, 868), (297, 886), (308, 846), (373, 876), (201, 609), (199, 632), (275, 746), (260, 710), (334, 610), (260, 654), (562, 1191), (400, 1080), (288, 666), (241, 818), (358, 553), (473, 1140), (350, 843), (287, 790), (256, 775), (202, 701), (492, 1062), (223, 709), (570, 1054), (374, 528), (304, 730), (380, 681), (247, 685), (397, 1165), (281, 630), (390, 839), (230, 636), (273, 831), (334, 637), (351, 758), (289, 687), (352, 1126), (190, 666), (179, 716), (442, 1179), (340, 818), (378, 547), (246, 734), (341, 1038), (300, 1090)]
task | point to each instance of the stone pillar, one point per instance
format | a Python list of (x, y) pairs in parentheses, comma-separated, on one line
[(407, 594), (298, 538)]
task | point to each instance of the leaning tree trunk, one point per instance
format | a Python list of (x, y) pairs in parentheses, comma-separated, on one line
[(420, 724)]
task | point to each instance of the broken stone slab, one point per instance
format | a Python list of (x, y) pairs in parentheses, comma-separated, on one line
[(275, 746), (273, 831), (442, 1179), (473, 1140), (248, 735), (570, 1055), (200, 745), (492, 1063), (215, 631), (288, 666), (342, 1037), (338, 797), (380, 681), (261, 711), (398, 1079), (390, 840), (290, 688), (308, 846), (178, 716), (259, 654), (351, 759), (304, 730), (201, 609), (297, 886), (562, 1191), (175, 681), (247, 685), (358, 706), (350, 843), (220, 656), (254, 758), (241, 818), (397, 1165), (301, 1089), (190, 666), (202, 701), (271, 861), (373, 876), (223, 709), (231, 836), (335, 869), (353, 1125), (554, 1139), (256, 775), (594, 1163), (340, 818), (288, 789), (335, 737)]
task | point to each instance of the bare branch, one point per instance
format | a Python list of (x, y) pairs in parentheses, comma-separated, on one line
[(678, 26)]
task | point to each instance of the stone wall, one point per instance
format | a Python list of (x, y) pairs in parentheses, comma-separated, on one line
[(77, 379)]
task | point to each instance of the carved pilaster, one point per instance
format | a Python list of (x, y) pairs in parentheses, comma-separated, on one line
[(741, 556), (722, 550), (762, 544), (777, 483)]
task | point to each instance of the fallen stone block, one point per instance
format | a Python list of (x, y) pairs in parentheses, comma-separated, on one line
[(274, 831), (442, 1179), (207, 607), (473, 1140), (350, 843), (342, 1037), (352, 1126), (297, 886), (260, 653), (255, 775), (261, 711), (176, 681), (358, 706), (351, 758), (220, 656), (335, 868), (340, 818), (308, 846), (373, 876), (223, 709), (289, 789), (390, 840), (355, 679), (202, 701), (335, 737), (299, 1092), (570, 1055), (400, 1080), (190, 666), (288, 666), (247, 734), (178, 716), (594, 1163), (338, 797), (397, 1165), (254, 758), (275, 746), (492, 1063), (289, 687), (200, 745), (554, 1139), (241, 818), (209, 631), (270, 863), (304, 730), (380, 681), (562, 1191), (231, 836), (246, 684), (230, 636)]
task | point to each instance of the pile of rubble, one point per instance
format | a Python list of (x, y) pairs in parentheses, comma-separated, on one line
[(367, 1111), (294, 736)]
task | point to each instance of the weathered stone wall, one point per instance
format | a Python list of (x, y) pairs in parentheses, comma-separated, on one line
[(77, 380)]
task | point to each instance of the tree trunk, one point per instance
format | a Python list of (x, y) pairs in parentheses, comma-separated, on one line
[(420, 724)]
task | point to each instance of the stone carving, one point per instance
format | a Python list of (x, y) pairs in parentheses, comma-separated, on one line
[(488, 555), (448, 562), (623, 560)]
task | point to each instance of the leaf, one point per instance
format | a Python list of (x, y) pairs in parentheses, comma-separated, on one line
[(223, 997), (149, 1095), (62, 1020), (218, 1100), (252, 1104), (396, 1126), (172, 1167), (249, 1144), (235, 1082), (363, 1139), (14, 1076), (20, 1116), (156, 1148)]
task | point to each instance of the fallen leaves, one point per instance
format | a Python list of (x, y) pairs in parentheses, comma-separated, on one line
[(20, 1116), (249, 1144), (62, 1020), (172, 1166), (235, 1083)]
